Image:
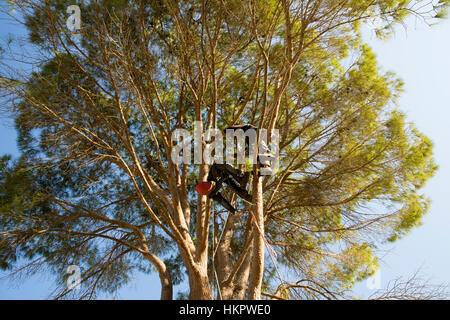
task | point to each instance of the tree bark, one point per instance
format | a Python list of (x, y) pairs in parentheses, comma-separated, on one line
[(223, 258), (164, 276), (257, 263), (240, 284), (199, 286)]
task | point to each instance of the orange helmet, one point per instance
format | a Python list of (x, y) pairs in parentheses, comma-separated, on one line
[(204, 188)]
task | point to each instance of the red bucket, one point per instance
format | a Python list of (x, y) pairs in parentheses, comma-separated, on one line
[(204, 188)]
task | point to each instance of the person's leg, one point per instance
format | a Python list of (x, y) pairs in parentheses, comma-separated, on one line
[(241, 192), (234, 179), (224, 202), (216, 177)]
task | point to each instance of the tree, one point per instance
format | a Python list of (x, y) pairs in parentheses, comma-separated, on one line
[(95, 186)]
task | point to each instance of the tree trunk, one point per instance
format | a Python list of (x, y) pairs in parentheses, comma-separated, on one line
[(199, 285), (240, 284), (257, 263), (223, 258), (164, 276), (166, 285)]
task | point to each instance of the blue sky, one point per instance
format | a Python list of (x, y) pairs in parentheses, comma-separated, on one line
[(420, 56)]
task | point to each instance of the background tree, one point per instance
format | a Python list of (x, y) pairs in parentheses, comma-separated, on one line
[(94, 185)]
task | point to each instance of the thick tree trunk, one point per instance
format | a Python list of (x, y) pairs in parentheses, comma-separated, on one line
[(240, 284), (197, 272), (164, 276), (166, 286), (199, 285), (223, 259), (257, 263)]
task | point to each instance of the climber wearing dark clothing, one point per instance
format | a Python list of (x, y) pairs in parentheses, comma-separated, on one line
[(264, 157), (225, 173), (244, 128), (228, 174)]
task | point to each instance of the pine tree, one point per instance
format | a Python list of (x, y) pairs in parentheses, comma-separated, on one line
[(95, 186)]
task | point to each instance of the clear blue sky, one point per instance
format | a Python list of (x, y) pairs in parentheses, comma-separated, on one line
[(420, 56)]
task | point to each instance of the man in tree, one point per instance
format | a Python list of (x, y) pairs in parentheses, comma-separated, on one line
[(233, 177), (264, 157), (225, 173)]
